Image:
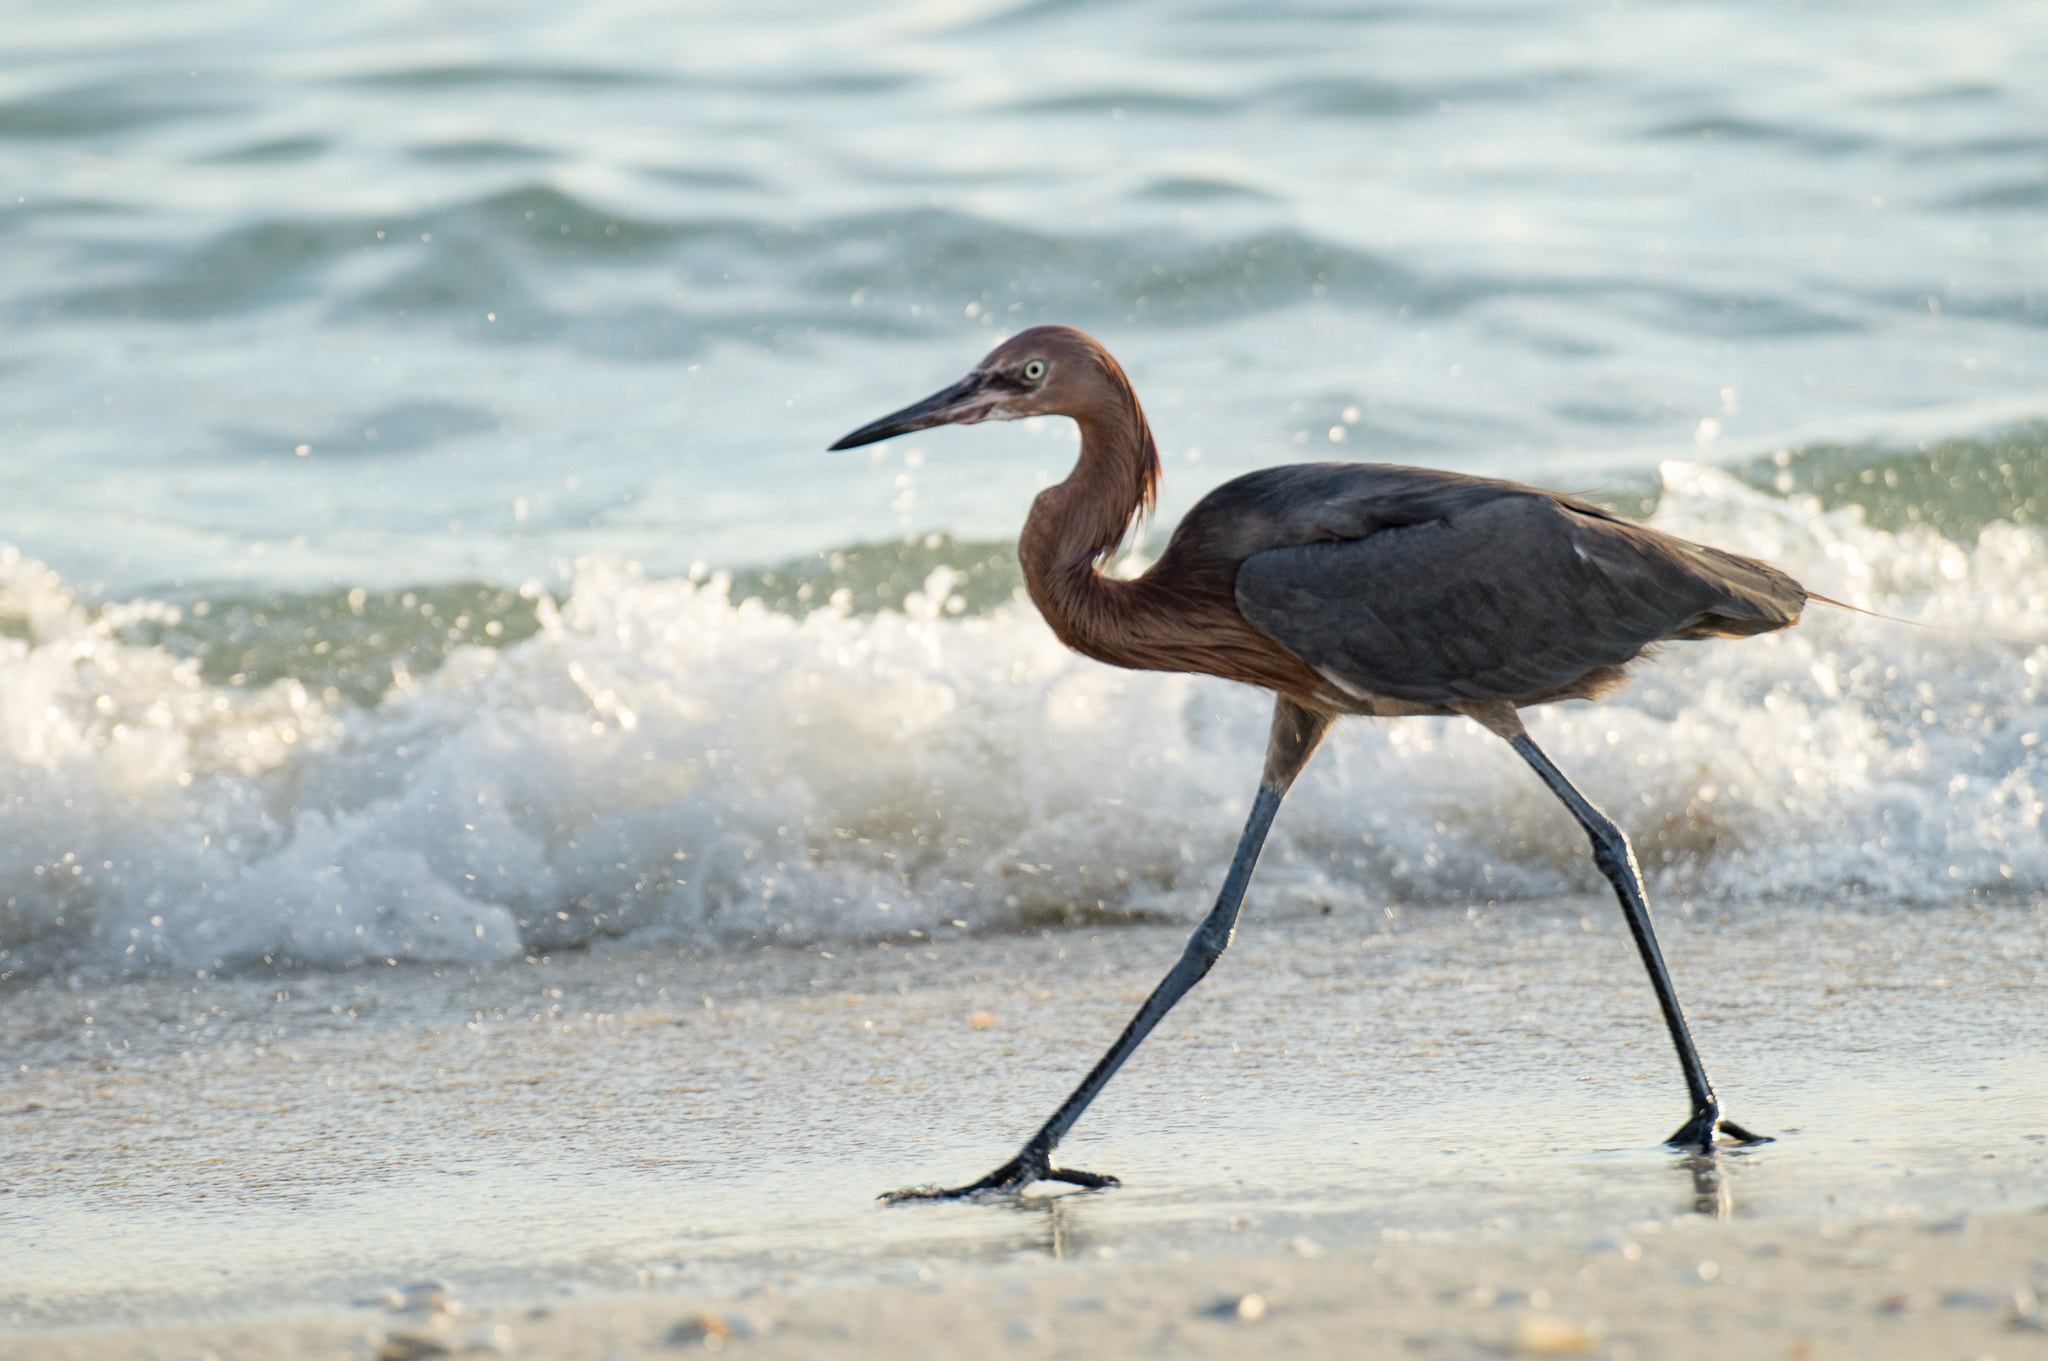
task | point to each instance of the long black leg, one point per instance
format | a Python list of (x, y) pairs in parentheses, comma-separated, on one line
[(1296, 732), (1611, 852)]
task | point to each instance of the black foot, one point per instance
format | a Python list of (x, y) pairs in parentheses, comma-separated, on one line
[(1012, 1177), (1742, 1138), (1698, 1132)]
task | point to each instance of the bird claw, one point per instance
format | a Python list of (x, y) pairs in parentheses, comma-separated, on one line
[(1008, 1180), (1698, 1133)]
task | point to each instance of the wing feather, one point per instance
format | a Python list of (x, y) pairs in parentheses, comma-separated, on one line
[(1506, 595)]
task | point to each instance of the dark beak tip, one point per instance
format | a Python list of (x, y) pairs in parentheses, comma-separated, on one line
[(867, 434), (942, 407)]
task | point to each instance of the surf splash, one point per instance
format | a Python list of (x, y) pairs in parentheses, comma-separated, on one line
[(651, 759)]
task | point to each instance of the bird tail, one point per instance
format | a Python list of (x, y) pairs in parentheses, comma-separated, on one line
[(1921, 624)]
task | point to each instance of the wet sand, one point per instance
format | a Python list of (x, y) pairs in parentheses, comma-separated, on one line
[(1368, 1122)]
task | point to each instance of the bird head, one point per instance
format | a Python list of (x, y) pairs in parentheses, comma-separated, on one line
[(1045, 371)]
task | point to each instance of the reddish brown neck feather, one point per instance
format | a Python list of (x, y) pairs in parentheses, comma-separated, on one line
[(1179, 616)]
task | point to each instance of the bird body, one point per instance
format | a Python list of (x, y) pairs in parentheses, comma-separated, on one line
[(1351, 569), (1345, 589)]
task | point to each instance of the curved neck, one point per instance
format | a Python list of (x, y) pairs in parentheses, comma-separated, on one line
[(1077, 525)]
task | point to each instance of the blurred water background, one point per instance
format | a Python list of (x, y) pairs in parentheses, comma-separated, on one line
[(354, 358)]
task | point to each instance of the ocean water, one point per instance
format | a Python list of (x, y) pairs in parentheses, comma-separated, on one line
[(420, 544)]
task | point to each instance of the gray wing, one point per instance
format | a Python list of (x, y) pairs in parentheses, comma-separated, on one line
[(1501, 596)]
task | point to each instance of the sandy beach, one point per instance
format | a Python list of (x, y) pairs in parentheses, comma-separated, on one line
[(1429, 1135), (1678, 1289)]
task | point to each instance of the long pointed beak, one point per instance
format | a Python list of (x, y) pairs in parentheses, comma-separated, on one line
[(971, 399)]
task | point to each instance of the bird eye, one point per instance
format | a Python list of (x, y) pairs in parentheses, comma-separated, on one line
[(1035, 370)]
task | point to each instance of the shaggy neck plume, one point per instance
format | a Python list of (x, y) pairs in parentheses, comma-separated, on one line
[(1076, 527)]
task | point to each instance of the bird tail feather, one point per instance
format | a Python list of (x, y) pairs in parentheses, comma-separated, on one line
[(1922, 624)]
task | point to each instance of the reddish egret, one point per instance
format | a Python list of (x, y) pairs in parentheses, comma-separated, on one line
[(1345, 588)]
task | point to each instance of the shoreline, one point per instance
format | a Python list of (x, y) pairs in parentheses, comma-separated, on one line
[(1465, 1086)]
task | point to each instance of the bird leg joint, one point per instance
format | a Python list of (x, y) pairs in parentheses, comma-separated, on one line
[(1611, 851), (1614, 856), (1208, 943)]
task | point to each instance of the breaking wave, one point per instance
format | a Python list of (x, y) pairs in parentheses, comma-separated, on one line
[(648, 758)]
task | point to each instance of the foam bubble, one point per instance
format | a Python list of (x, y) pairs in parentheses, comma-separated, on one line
[(659, 762)]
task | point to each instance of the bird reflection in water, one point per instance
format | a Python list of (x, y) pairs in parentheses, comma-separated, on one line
[(1712, 1196), (1056, 1227)]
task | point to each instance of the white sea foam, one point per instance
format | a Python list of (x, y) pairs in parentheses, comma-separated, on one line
[(658, 761)]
